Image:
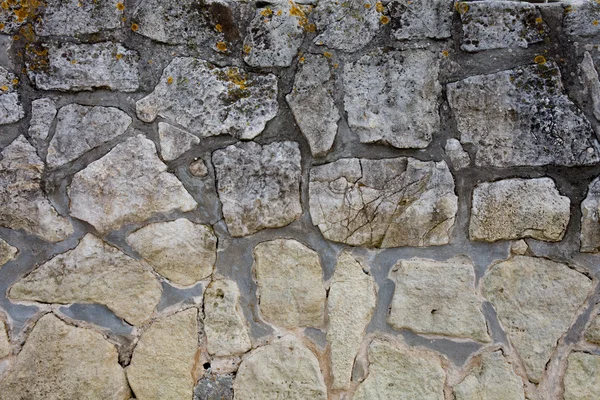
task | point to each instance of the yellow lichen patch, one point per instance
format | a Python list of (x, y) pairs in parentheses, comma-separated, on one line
[(367, 5), (15, 82), (135, 27), (247, 49), (569, 9), (267, 12), (384, 20), (279, 12), (540, 60), (234, 76), (595, 22), (336, 65), (119, 56), (327, 54), (295, 10), (169, 80), (1, 26), (16, 38), (4, 88), (221, 46), (302, 59), (120, 6), (539, 20), (462, 7), (445, 53), (379, 7), (73, 61), (219, 27)]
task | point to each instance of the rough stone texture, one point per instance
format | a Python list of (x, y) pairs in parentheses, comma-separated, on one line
[(592, 333), (535, 300), (438, 298), (522, 117), (393, 97), (591, 82), (198, 168), (420, 19), (284, 369), (129, 184), (43, 112), (313, 106), (224, 322), (24, 204), (290, 283), (79, 129), (4, 342), (13, 14), (214, 388), (11, 109), (93, 272), (519, 247), (500, 24), (580, 16), (350, 305), (459, 158), (519, 208), (7, 252), (174, 141), (163, 359), (582, 380), (590, 219), (86, 67), (491, 378), (259, 186), (401, 373), (211, 101), (60, 362), (180, 250), (383, 203), (75, 17)]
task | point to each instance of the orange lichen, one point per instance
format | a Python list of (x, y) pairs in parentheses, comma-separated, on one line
[(462, 7), (247, 49), (379, 7), (234, 76), (15, 81), (279, 12), (120, 6), (302, 59), (336, 65), (540, 60), (267, 12), (219, 27), (445, 53), (384, 20), (539, 20), (1, 26), (327, 54), (221, 46), (135, 27), (4, 88), (119, 56), (595, 22), (169, 80), (367, 5)]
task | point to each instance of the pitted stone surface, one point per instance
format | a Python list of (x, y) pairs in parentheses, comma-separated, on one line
[(24, 204), (43, 112), (218, 387), (580, 16), (591, 82), (519, 208), (14, 14), (285, 369), (259, 186), (4, 342), (290, 283), (393, 97), (536, 301), (522, 117), (93, 272), (590, 219), (459, 158), (129, 184), (180, 250), (11, 109), (383, 203), (420, 19), (75, 17), (581, 378), (7, 252), (174, 141), (60, 362), (211, 101), (592, 333)]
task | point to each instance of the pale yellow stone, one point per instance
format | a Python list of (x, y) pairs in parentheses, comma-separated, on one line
[(7, 252), (582, 378), (4, 342), (592, 333)]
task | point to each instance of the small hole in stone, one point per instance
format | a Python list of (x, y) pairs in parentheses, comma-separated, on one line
[(206, 365), (433, 312)]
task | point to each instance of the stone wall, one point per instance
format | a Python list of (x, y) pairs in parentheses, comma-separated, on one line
[(330, 200)]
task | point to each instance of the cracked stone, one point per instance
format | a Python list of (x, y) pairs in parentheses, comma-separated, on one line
[(4, 342), (579, 18), (459, 158), (591, 82), (211, 101), (43, 112), (592, 333), (290, 283), (93, 272), (259, 186), (219, 387), (128, 185), (11, 109), (522, 117), (174, 141), (581, 378), (75, 17), (590, 219), (421, 19), (7, 252), (517, 209), (393, 97), (536, 301), (383, 203)]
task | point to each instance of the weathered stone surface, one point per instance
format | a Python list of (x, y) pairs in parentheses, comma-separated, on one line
[(290, 283), (519, 208), (79, 129), (7, 252), (11, 109), (492, 378), (383, 203), (198, 168), (459, 158), (522, 117), (421, 19), (581, 380), (180, 250), (393, 97), (4, 342), (259, 186), (13, 14), (60, 362), (24, 204), (86, 67), (351, 302), (590, 219), (580, 16), (500, 24), (313, 106), (401, 373), (93, 272), (224, 322), (211, 101), (214, 388), (75, 17), (438, 298), (43, 112), (174, 141), (284, 369), (519, 247), (592, 333), (129, 184), (591, 82), (535, 300), (163, 359)]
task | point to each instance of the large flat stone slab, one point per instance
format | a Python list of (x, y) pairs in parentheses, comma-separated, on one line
[(75, 17)]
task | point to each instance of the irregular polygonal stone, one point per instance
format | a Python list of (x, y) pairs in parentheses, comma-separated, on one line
[(93, 272), (218, 387), (129, 184), (590, 219), (581, 378), (519, 247), (7, 252), (313, 106), (198, 168), (438, 298), (43, 112), (535, 300), (581, 17), (351, 302), (75, 17), (290, 283), (401, 373), (75, 67), (492, 378), (79, 129), (592, 333), (458, 156), (224, 322), (211, 101), (420, 19), (180, 250), (383, 203), (11, 109), (174, 141), (284, 369), (591, 82), (24, 204), (393, 97), (522, 117), (163, 359), (519, 208), (4, 342), (60, 362), (259, 186)]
